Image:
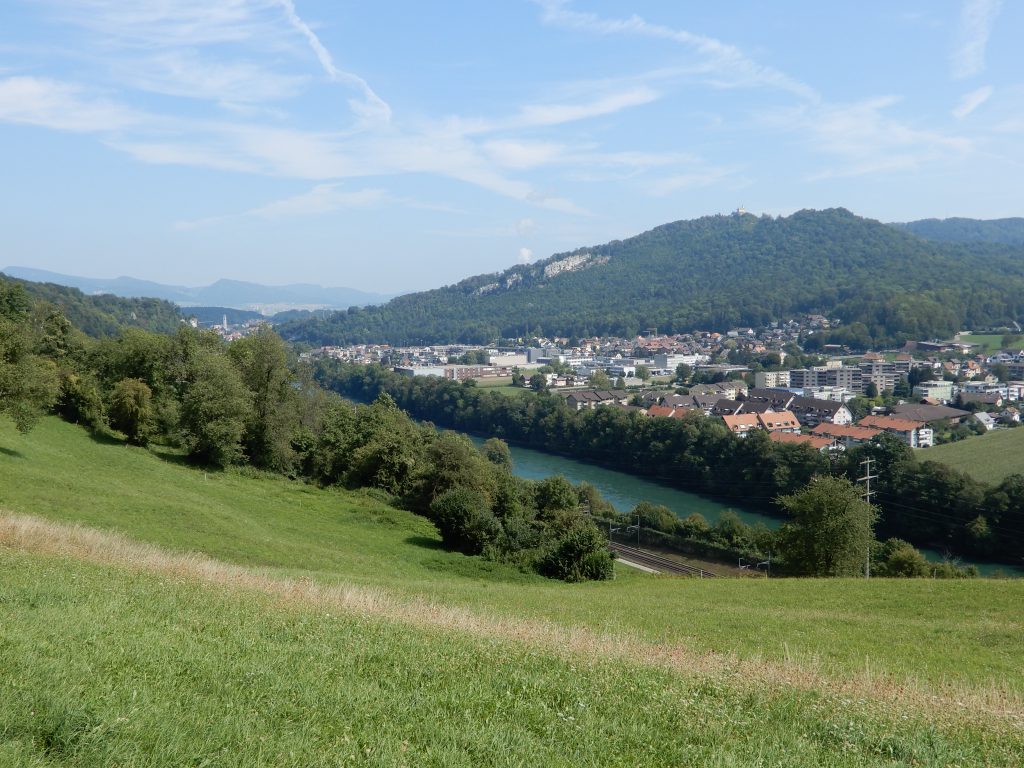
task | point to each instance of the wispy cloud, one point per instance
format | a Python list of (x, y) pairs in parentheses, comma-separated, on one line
[(601, 99), (976, 20), (865, 139), (692, 180), (535, 115), (177, 47), (971, 101), (247, 58), (719, 63), (321, 199), (187, 74), (62, 106), (157, 24), (372, 107)]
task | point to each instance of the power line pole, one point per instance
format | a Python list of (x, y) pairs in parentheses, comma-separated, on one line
[(868, 477)]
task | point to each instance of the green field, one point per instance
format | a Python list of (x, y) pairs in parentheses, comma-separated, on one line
[(989, 457), (330, 628), (988, 343), (503, 386)]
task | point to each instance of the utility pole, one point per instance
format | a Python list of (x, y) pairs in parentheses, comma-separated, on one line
[(868, 477)]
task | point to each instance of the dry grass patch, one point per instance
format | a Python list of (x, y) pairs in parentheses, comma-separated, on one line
[(953, 704)]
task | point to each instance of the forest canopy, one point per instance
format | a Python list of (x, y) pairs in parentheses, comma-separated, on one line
[(712, 273)]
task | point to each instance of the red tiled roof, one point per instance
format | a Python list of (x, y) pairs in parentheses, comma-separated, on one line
[(841, 430), (890, 422), (778, 420), (812, 440), (741, 422)]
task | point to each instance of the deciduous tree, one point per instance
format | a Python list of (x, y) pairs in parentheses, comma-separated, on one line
[(830, 529)]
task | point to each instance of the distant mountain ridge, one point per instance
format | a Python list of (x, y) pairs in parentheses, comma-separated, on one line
[(716, 272), (961, 230), (235, 294)]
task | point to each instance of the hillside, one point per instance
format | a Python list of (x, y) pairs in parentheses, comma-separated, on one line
[(988, 458), (328, 624), (235, 294), (104, 315), (960, 230), (715, 272)]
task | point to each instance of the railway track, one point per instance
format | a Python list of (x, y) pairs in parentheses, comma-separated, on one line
[(657, 562)]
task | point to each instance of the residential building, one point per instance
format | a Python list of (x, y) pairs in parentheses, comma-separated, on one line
[(812, 412), (984, 399), (778, 399), (941, 391), (929, 413), (985, 419), (731, 389), (832, 375), (779, 421), (884, 374), (767, 379), (849, 435), (592, 398), (914, 433), (742, 423), (670, 362)]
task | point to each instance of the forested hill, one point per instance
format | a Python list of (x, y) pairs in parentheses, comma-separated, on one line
[(958, 230), (714, 273), (105, 315)]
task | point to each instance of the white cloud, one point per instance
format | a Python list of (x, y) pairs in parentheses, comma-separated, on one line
[(976, 20), (692, 180), (162, 42), (525, 255), (526, 226), (321, 199), (158, 24), (244, 58), (971, 101), (534, 115), (61, 106), (719, 63), (187, 74), (866, 140), (600, 101), (193, 155), (522, 154)]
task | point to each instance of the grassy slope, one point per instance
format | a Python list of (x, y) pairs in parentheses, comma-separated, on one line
[(989, 457), (118, 665), (950, 631), (120, 668)]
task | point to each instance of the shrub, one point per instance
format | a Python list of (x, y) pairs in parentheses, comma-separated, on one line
[(465, 521)]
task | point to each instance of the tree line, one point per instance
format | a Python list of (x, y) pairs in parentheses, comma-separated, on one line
[(924, 502), (103, 315), (249, 403)]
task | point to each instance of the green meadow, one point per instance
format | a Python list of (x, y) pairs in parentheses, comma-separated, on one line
[(236, 618), (988, 458), (988, 343)]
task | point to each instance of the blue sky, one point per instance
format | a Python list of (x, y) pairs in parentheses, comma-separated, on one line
[(399, 146)]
